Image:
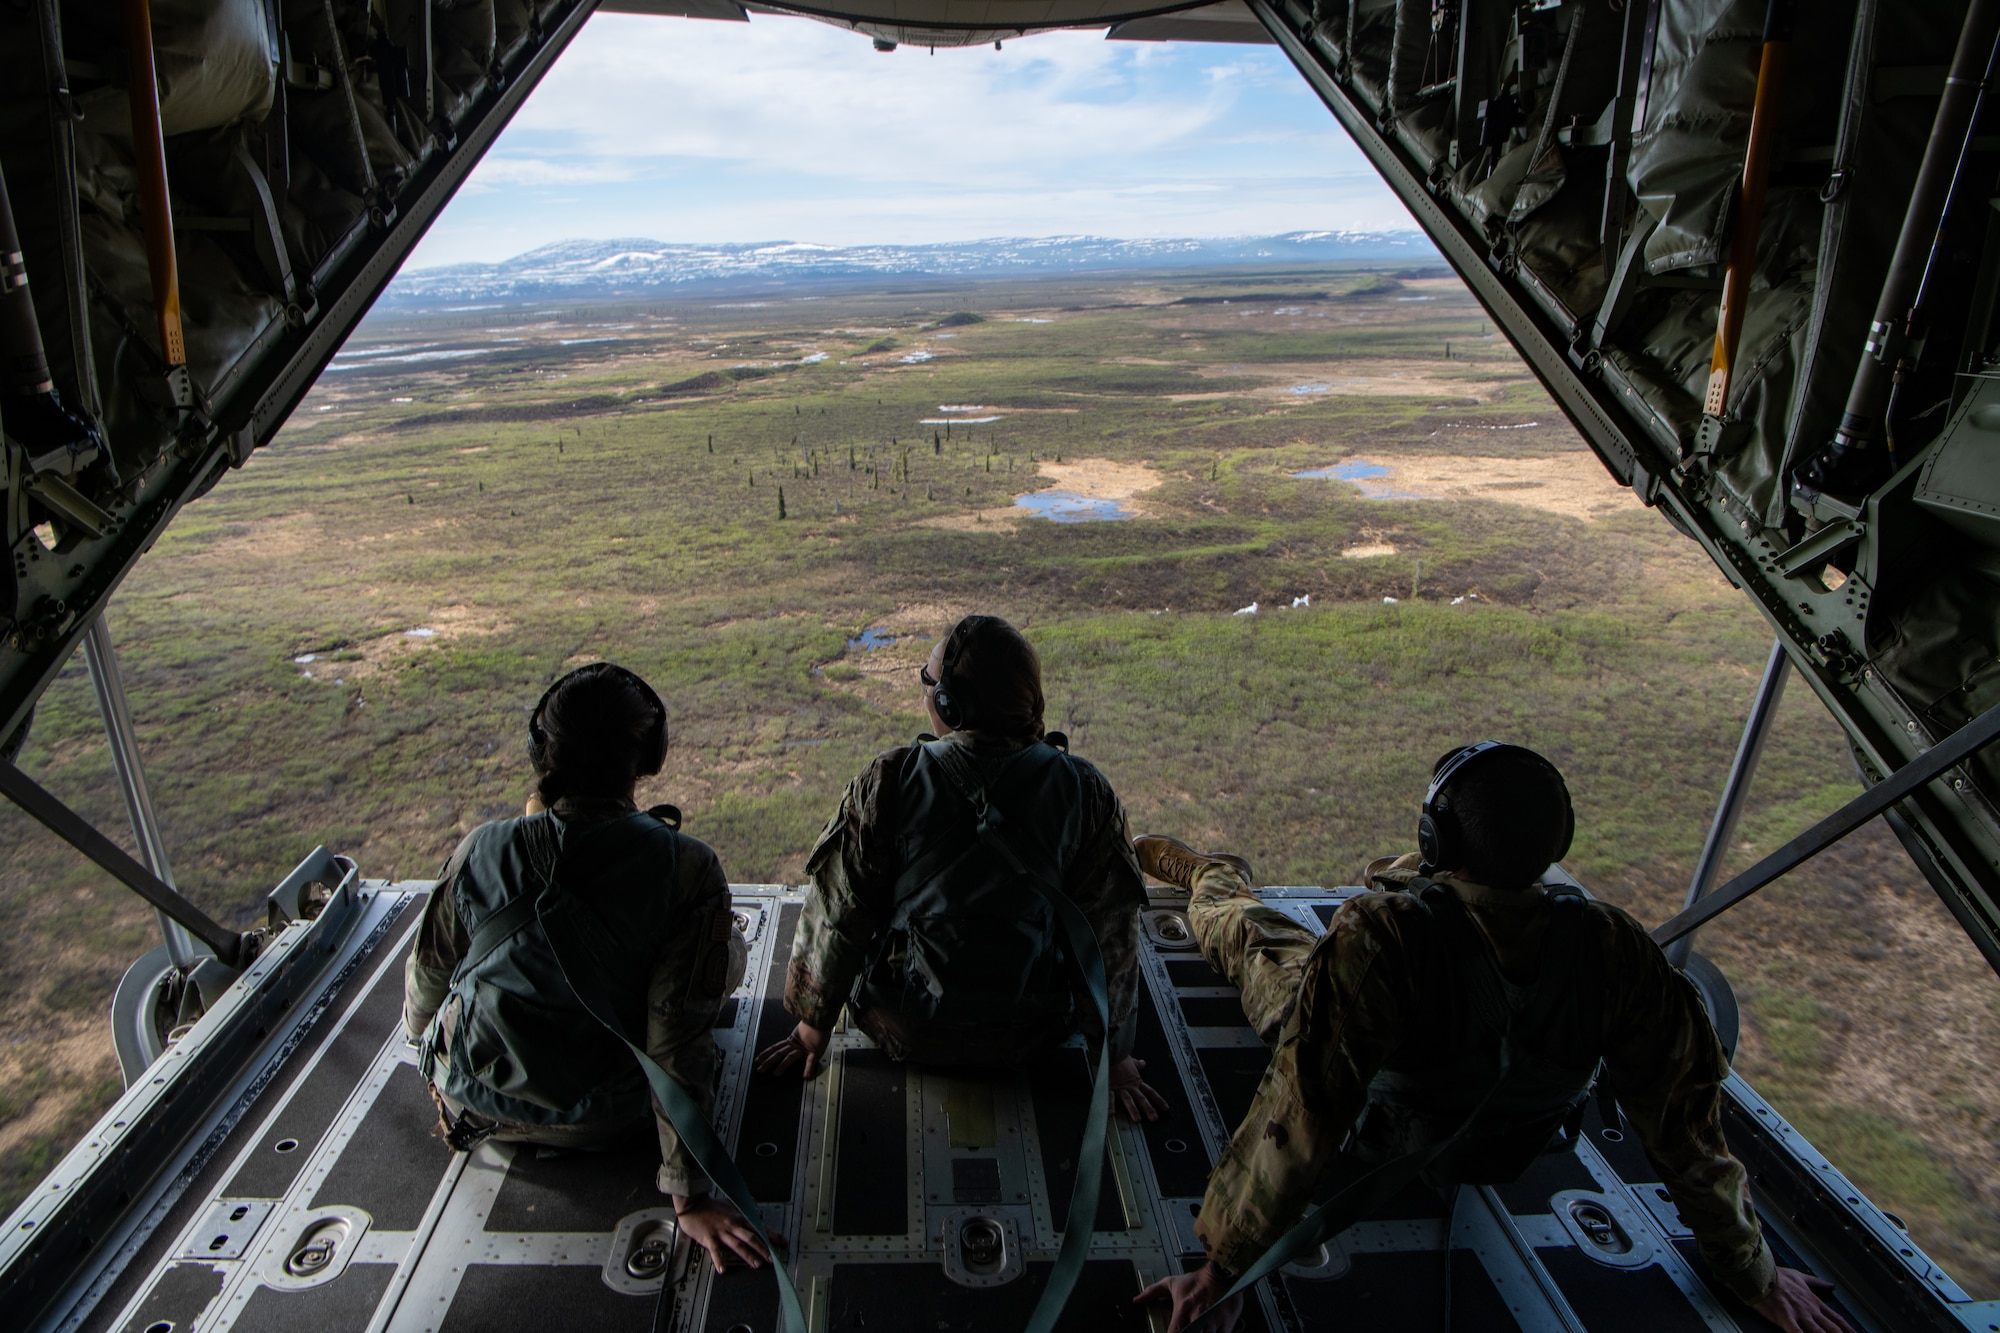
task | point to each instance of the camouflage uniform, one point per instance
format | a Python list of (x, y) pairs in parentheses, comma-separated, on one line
[(1333, 1008), (853, 870), (696, 970)]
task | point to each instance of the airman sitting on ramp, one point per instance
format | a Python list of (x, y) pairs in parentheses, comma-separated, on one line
[(940, 951), (509, 1049), (1455, 1020)]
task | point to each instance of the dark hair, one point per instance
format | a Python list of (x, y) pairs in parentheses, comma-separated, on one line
[(997, 676), (1511, 811), (597, 731)]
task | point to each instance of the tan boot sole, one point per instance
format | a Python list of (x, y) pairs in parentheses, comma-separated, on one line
[(1176, 863)]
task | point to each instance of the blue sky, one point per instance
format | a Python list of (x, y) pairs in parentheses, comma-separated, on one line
[(788, 129)]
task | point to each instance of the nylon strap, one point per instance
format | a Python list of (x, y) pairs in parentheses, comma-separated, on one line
[(696, 1134), (1082, 1220), (1372, 1189), (497, 929)]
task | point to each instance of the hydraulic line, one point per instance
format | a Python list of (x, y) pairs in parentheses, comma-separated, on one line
[(1888, 333), (149, 154), (1749, 205)]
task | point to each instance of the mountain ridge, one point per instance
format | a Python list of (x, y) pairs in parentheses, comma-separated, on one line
[(637, 266)]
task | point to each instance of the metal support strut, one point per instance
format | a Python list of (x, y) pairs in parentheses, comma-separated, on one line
[(233, 949), (1756, 730), (118, 729), (1928, 767)]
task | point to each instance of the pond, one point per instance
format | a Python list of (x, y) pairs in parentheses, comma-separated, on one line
[(871, 639), (1069, 507), (1364, 475)]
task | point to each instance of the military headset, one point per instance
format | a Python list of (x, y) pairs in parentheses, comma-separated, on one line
[(956, 703), (1441, 842), (653, 753)]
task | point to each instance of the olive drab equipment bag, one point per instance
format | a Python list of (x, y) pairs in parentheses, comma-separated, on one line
[(1551, 1028), (966, 948)]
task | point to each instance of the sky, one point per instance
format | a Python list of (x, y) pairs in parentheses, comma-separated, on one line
[(689, 130)]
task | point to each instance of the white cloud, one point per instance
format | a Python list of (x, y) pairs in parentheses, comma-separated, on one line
[(786, 128)]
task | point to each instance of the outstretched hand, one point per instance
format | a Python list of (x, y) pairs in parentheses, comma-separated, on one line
[(1191, 1294), (1131, 1095), (1794, 1304), (805, 1043), (719, 1229)]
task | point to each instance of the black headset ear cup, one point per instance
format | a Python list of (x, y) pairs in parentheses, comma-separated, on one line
[(1568, 834), (946, 703), (1427, 838)]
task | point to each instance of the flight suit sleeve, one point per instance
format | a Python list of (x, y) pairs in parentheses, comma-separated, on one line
[(848, 873), (1109, 891), (1667, 1068), (694, 972), (1355, 991), (441, 941)]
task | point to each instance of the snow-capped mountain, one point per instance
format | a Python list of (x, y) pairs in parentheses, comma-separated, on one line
[(598, 268)]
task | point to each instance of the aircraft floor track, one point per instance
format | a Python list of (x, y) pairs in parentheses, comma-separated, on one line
[(910, 1199)]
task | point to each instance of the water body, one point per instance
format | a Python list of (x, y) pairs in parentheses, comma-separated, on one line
[(1069, 507), (1362, 474), (871, 639), (956, 421), (1310, 388)]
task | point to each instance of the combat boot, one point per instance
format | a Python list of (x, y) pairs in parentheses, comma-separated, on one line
[(1178, 864)]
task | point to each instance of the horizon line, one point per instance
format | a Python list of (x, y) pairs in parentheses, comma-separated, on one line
[(1314, 232)]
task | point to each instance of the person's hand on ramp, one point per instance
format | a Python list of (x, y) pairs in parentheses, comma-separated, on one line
[(713, 1223), (1191, 1295), (805, 1044)]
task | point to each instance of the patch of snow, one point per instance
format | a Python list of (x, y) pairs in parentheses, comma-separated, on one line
[(1249, 610)]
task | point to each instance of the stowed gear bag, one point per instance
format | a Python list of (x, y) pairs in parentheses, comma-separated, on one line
[(1551, 1026), (969, 960)]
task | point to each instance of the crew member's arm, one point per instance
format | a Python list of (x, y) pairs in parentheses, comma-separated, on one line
[(690, 979), (441, 942), (847, 874), (692, 975), (1667, 1067), (1109, 890), (1352, 999)]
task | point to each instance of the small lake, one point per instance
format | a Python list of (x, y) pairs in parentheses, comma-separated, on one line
[(871, 639), (1363, 474), (1069, 507)]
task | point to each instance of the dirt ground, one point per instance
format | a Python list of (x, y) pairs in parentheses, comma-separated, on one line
[(1573, 485)]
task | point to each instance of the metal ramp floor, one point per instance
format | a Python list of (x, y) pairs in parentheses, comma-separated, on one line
[(911, 1200)]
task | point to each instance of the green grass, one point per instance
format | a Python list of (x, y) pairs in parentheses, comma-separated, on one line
[(544, 504)]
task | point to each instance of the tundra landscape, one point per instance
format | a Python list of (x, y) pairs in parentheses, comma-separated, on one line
[(1282, 536)]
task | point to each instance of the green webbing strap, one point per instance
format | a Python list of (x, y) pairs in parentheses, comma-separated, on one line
[(686, 1117), (496, 930), (1374, 1188), (1082, 1219), (1378, 1184)]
